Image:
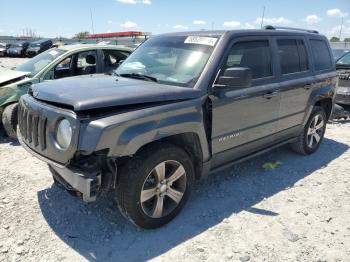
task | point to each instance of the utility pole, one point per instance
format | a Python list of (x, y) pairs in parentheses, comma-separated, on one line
[(92, 22), (262, 18), (341, 28)]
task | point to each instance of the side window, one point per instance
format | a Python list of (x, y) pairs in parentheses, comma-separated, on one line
[(292, 55), (112, 58), (64, 64), (321, 55), (86, 63), (252, 54), (303, 55), (62, 69)]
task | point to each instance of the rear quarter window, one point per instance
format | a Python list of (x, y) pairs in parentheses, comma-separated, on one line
[(321, 55)]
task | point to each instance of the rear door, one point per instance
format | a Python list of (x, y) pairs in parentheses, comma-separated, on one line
[(245, 118), (296, 79), (86, 63), (111, 59)]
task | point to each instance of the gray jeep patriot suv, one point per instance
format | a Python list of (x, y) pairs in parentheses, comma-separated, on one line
[(181, 106)]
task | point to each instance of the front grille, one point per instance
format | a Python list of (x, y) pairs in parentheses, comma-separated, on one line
[(32, 127)]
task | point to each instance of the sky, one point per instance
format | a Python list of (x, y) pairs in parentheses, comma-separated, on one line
[(67, 17)]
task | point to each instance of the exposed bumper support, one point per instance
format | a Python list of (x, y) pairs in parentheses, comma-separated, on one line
[(88, 184)]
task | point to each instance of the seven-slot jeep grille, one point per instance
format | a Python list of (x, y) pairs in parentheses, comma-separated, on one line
[(32, 127)]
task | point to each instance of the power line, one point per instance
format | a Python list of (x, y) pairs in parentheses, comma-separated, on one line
[(92, 22), (341, 28), (262, 18)]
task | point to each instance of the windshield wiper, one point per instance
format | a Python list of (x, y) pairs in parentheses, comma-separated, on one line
[(139, 76)]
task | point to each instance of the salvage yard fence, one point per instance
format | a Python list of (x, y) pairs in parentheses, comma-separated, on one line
[(340, 44), (127, 41)]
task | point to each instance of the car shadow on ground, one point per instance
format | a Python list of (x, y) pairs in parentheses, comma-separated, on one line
[(4, 139), (99, 232)]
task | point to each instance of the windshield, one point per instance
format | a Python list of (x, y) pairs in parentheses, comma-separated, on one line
[(345, 60), (337, 53), (37, 63), (174, 60)]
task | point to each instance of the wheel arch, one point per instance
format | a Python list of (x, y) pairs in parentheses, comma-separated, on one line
[(322, 101), (188, 141), (327, 105)]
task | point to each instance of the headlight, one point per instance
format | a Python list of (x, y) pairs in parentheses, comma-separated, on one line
[(64, 134)]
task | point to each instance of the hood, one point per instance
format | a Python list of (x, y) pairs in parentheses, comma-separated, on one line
[(342, 66), (8, 76), (101, 91)]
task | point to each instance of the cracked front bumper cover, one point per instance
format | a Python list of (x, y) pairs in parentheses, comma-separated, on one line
[(86, 181), (76, 180)]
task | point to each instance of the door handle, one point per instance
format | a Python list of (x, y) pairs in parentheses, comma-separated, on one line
[(308, 86), (270, 95)]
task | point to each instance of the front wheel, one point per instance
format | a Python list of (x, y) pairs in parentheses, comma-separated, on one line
[(311, 137), (10, 120), (154, 185)]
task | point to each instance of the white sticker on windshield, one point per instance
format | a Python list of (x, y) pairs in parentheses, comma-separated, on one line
[(53, 52), (201, 40)]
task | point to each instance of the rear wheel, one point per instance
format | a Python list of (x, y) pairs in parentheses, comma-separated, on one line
[(154, 185), (311, 137), (10, 120)]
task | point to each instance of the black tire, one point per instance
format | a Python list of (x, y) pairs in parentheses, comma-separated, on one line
[(10, 120), (136, 172), (301, 146)]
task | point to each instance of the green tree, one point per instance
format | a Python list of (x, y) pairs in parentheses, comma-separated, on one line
[(347, 39), (81, 35), (334, 39)]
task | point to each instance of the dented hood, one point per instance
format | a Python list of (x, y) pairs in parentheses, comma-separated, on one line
[(10, 76), (101, 91)]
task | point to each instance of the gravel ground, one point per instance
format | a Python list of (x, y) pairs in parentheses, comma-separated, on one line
[(10, 62), (297, 212)]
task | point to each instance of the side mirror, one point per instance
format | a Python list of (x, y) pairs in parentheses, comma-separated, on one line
[(236, 77)]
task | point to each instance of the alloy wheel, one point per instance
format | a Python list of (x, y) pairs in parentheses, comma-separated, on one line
[(163, 189), (315, 131)]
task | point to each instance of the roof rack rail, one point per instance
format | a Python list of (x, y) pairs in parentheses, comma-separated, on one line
[(270, 27)]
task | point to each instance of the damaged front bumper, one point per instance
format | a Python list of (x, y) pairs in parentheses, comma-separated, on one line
[(85, 180), (86, 183)]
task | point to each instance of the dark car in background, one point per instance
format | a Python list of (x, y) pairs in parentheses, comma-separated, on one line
[(38, 47), (343, 63), (3, 49), (18, 48), (339, 52), (342, 98)]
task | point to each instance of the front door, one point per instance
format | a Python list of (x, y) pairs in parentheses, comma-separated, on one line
[(245, 118), (80, 63)]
